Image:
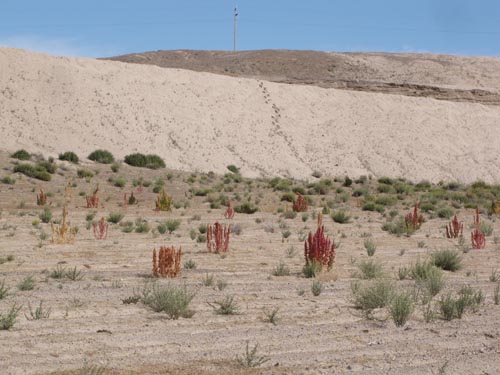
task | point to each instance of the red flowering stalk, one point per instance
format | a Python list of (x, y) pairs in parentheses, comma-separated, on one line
[(218, 238), (300, 204), (168, 263), (477, 236), (93, 200), (229, 211), (413, 219), (454, 228), (319, 248), (101, 229), (41, 199)]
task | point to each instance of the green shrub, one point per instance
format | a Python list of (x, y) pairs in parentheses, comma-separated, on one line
[(21, 155), (49, 166), (115, 217), (246, 208), (172, 225), (486, 228), (46, 215), (288, 197), (401, 307), (251, 359), (233, 169), (369, 269), (375, 295), (28, 283), (384, 188), (4, 291), (347, 181), (445, 213), (102, 156), (145, 161), (69, 156), (119, 182), (385, 200), (84, 173), (311, 269), (372, 206), (428, 276), (226, 306), (397, 227), (115, 167), (448, 260), (467, 299), (316, 288), (141, 226), (8, 180), (370, 246), (281, 270), (30, 170), (170, 299), (340, 217), (7, 320)]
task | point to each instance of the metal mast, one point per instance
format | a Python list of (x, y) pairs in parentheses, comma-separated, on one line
[(235, 17)]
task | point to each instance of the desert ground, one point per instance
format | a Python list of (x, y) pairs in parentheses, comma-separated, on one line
[(361, 157), (90, 325)]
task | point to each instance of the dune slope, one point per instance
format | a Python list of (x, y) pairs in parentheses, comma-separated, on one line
[(201, 121)]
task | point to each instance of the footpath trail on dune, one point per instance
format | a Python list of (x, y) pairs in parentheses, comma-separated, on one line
[(202, 121)]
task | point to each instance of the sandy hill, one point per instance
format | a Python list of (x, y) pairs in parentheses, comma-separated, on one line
[(203, 121), (444, 77)]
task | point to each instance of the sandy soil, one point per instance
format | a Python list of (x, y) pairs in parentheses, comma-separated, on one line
[(203, 122), (316, 335)]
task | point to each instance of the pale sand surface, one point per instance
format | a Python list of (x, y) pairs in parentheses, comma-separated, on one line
[(201, 121)]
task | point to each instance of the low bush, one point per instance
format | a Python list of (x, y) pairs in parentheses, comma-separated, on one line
[(448, 260), (401, 308), (150, 161), (102, 156), (246, 208), (372, 296), (340, 217), (170, 299), (115, 217), (369, 269), (21, 155), (84, 173), (69, 156), (8, 180), (38, 172)]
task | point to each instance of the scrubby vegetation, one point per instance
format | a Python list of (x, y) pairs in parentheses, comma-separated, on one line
[(102, 156), (145, 161)]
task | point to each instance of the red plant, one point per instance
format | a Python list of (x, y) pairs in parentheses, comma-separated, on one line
[(41, 199), (124, 205), (93, 201), (101, 229), (454, 228), (413, 219), (168, 263), (218, 237), (229, 212), (300, 204), (477, 237), (139, 189), (319, 248)]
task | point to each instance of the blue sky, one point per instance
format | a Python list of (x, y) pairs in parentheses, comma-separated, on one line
[(98, 28)]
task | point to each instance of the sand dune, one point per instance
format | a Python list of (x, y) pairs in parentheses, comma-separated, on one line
[(202, 121)]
